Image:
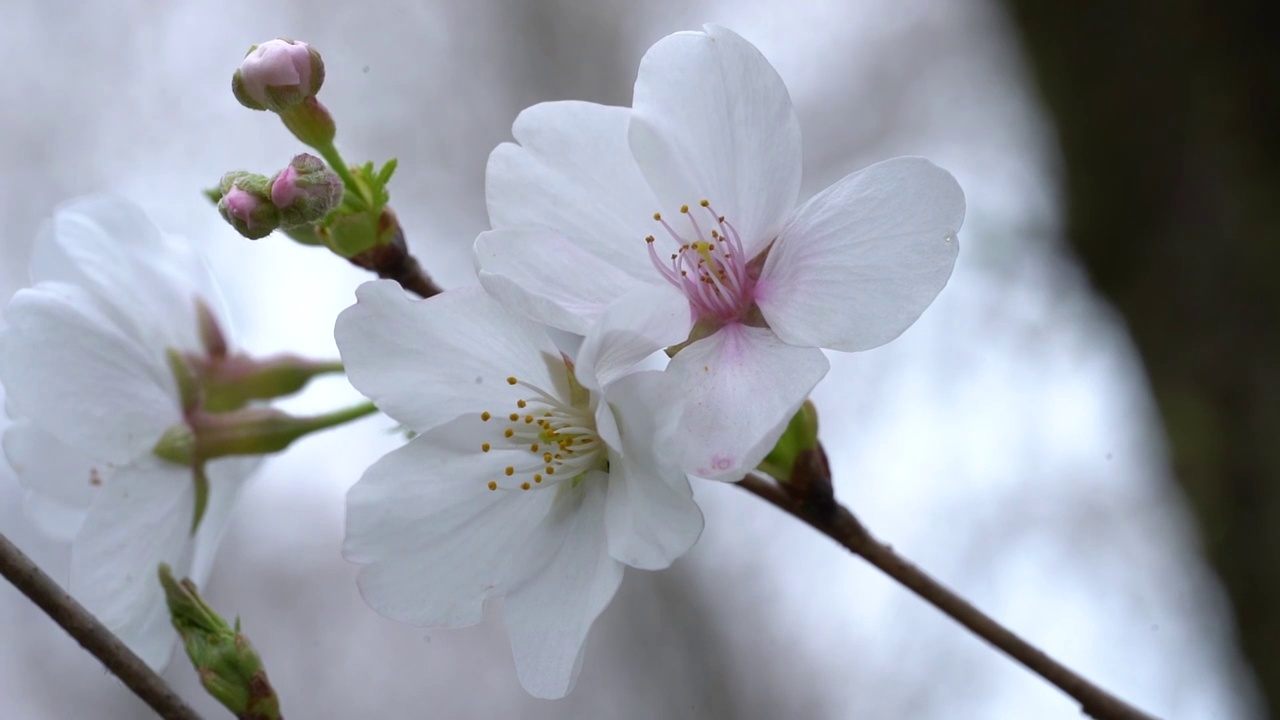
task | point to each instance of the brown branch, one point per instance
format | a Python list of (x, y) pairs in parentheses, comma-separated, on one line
[(18, 569), (836, 522)]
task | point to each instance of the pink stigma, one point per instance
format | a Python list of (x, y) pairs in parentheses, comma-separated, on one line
[(710, 271)]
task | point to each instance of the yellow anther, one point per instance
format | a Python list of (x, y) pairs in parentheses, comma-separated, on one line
[(705, 203), (511, 381), (551, 470), (546, 457), (485, 416), (521, 403), (493, 485), (533, 447), (684, 209), (657, 216), (524, 486), (509, 432), (510, 471), (537, 478), (485, 447), (513, 417), (528, 419), (649, 239)]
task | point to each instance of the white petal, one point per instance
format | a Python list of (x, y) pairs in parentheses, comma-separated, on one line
[(149, 280), (572, 172), (52, 468), (864, 258), (140, 519), (712, 120), (58, 520), (634, 327), (68, 369), (227, 478), (651, 517), (553, 280), (425, 362), (435, 539), (550, 615), (742, 386)]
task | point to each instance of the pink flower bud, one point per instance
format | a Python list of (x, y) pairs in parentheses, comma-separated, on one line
[(278, 75), (247, 206), (305, 191)]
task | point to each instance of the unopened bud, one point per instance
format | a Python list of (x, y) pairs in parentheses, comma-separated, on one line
[(305, 191), (277, 75), (228, 666), (246, 204)]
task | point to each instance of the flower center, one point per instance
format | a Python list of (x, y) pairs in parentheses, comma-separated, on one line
[(710, 269), (556, 441)]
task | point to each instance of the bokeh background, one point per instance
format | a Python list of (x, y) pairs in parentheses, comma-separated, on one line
[(1009, 442)]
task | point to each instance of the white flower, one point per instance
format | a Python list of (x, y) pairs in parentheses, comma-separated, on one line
[(521, 484), (713, 144), (84, 365)]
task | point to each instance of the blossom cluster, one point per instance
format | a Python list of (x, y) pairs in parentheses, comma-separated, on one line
[(541, 470), (549, 452)]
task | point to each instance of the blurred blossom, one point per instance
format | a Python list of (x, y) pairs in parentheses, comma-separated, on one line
[(86, 362)]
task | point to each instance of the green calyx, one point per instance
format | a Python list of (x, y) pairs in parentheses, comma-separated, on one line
[(801, 436), (228, 666)]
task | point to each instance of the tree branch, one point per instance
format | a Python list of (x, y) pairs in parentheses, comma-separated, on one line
[(836, 522), (18, 569)]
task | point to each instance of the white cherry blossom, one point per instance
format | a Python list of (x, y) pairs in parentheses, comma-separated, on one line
[(522, 483), (678, 220), (84, 363)]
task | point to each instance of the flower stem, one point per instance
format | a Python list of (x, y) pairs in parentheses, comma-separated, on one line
[(18, 569), (330, 153), (836, 522)]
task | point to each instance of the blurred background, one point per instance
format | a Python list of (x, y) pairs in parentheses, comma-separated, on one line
[(1113, 272)]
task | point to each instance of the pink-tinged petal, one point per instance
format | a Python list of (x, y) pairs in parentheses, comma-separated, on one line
[(742, 385), (864, 258), (51, 468), (651, 517), (550, 615), (571, 171), (148, 282), (713, 120), (555, 281), (68, 369), (142, 518), (435, 539), (632, 328), (425, 362)]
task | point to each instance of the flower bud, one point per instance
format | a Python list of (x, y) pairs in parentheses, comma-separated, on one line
[(277, 75), (246, 204), (229, 667), (305, 191)]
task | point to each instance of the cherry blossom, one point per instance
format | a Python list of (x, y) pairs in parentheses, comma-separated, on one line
[(676, 224), (85, 362), (522, 483)]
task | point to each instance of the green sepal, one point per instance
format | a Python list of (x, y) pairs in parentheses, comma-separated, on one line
[(800, 436), (228, 666)]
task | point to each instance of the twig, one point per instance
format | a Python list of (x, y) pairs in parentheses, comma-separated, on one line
[(93, 635), (836, 522)]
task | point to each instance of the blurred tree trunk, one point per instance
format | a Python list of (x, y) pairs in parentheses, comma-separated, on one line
[(1167, 113)]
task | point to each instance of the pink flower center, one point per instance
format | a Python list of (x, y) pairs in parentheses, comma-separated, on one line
[(710, 269)]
